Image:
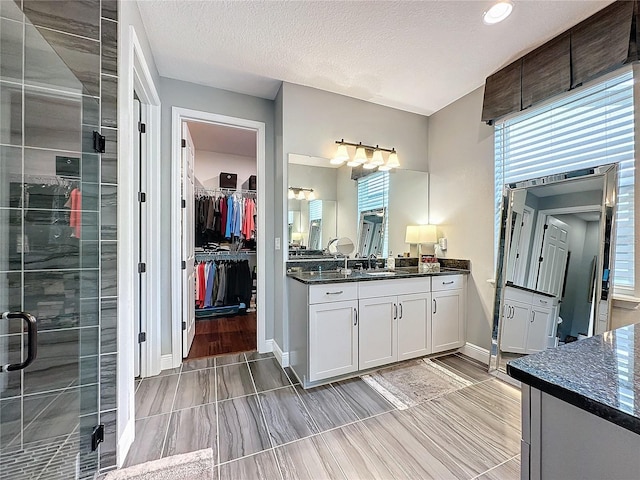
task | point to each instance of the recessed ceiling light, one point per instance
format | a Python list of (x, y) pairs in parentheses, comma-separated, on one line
[(497, 12)]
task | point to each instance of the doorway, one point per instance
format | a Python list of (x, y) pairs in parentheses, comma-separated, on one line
[(217, 243)]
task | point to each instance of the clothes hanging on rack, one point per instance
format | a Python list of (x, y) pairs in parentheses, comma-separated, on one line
[(225, 217), (223, 283)]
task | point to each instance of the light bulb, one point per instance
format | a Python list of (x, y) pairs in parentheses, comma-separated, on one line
[(341, 156), (292, 194), (301, 195), (361, 155), (497, 12), (392, 161), (377, 158), (311, 195)]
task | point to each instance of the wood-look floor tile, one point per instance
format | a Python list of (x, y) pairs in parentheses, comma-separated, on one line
[(155, 395), (507, 471), (192, 429), (251, 356), (150, 435), (170, 371), (241, 428), (230, 359), (196, 388), (267, 374), (234, 381), (308, 459), (505, 389), (262, 466), (365, 401), (418, 456), (492, 400), (327, 407), (491, 429), (198, 364), (464, 368), (286, 416), (360, 455), (467, 449)]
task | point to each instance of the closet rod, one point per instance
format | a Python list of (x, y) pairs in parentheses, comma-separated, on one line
[(223, 255), (230, 191)]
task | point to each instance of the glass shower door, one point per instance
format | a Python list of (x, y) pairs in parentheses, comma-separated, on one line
[(49, 253)]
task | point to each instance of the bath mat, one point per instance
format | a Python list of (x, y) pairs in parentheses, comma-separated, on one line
[(194, 466), (412, 383)]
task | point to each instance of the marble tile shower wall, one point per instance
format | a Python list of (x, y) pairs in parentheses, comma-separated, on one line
[(58, 85)]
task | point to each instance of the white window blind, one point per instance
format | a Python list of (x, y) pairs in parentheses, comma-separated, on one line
[(373, 193), (315, 210), (591, 127)]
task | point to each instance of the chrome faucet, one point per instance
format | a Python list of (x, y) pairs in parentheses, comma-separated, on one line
[(374, 257)]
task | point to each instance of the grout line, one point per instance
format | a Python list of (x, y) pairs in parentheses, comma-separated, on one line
[(166, 433), (493, 468)]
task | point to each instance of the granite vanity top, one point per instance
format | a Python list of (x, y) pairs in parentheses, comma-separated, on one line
[(600, 374), (315, 277)]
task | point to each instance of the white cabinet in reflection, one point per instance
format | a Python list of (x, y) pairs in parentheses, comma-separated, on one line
[(529, 321)]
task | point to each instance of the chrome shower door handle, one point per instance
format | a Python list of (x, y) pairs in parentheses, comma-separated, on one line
[(32, 340)]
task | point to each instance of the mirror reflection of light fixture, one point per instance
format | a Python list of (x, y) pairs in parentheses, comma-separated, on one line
[(299, 193), (368, 156)]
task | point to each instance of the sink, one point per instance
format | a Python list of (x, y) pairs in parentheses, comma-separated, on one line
[(380, 274)]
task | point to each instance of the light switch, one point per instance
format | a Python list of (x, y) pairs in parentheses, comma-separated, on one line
[(277, 243)]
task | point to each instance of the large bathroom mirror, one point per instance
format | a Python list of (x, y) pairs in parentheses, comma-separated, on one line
[(555, 261), (329, 209)]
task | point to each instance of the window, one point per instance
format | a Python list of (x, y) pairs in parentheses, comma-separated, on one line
[(373, 193), (590, 127)]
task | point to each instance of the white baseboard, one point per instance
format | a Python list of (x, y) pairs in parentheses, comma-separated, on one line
[(125, 441), (166, 361), (477, 353), (282, 357)]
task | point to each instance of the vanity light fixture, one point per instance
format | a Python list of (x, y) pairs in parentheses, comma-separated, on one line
[(498, 12), (299, 193), (368, 156)]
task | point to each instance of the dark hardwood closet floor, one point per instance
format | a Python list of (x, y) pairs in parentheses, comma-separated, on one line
[(224, 335)]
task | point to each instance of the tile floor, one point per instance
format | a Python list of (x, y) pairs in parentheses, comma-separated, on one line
[(262, 425)]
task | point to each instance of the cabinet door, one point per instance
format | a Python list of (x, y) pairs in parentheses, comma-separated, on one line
[(447, 327), (333, 339), (414, 325), (537, 331), (378, 329), (515, 321)]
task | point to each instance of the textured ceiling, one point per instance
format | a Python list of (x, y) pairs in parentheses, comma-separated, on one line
[(222, 139), (416, 56)]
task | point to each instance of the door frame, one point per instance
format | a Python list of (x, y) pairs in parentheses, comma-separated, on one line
[(541, 219), (179, 115)]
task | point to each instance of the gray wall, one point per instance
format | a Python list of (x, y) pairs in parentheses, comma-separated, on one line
[(175, 93), (312, 120), (462, 201)]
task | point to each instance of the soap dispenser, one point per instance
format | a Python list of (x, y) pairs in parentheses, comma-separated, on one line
[(391, 262)]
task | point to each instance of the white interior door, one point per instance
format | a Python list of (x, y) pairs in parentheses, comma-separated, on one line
[(553, 259), (137, 112), (188, 243)]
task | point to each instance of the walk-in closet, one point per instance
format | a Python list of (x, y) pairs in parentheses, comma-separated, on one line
[(223, 219)]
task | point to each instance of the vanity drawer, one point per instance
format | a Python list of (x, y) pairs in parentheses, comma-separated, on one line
[(389, 287), (542, 301), (446, 282), (333, 292), (517, 295)]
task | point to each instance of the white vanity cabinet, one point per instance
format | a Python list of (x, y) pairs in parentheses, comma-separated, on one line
[(447, 313), (378, 332), (529, 321)]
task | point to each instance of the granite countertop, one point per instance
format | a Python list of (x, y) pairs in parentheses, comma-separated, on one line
[(316, 277), (599, 374)]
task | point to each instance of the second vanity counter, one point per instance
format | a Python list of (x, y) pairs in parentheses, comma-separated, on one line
[(341, 325)]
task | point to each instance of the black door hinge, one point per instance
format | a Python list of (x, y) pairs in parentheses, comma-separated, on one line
[(545, 227), (540, 259), (184, 143), (97, 437), (184, 265), (142, 267), (142, 337), (142, 197), (142, 128), (99, 142), (184, 203), (184, 325)]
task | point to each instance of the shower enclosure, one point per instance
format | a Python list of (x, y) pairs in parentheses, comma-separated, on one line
[(57, 274)]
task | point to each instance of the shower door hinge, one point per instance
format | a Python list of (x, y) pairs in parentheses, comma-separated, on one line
[(184, 143), (184, 325), (142, 267), (97, 437), (142, 197), (99, 142), (142, 128), (142, 337)]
